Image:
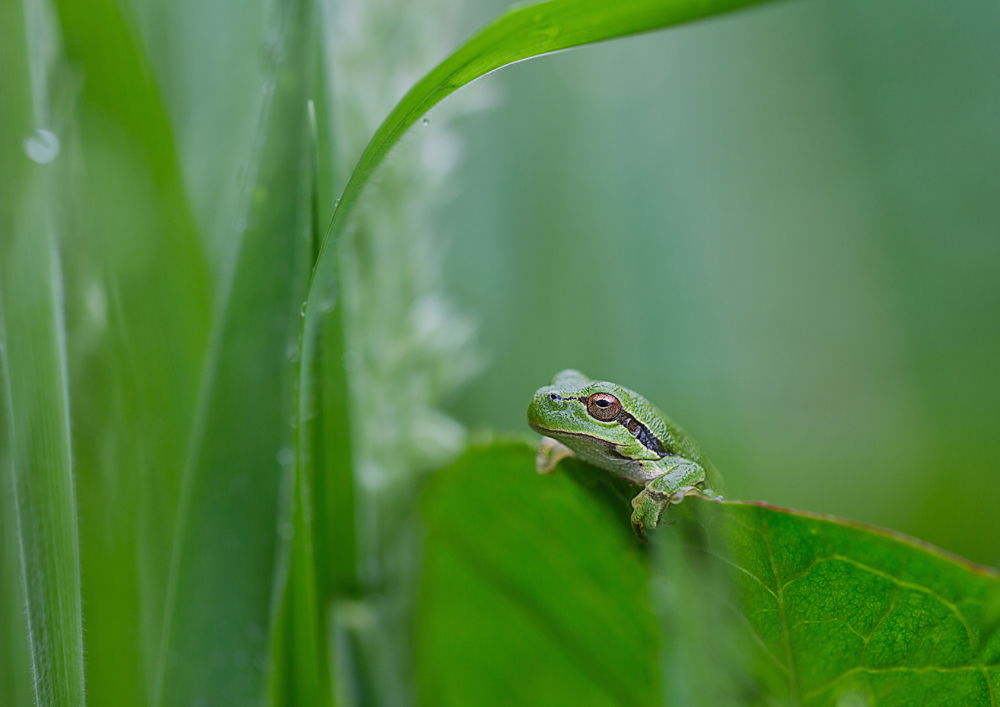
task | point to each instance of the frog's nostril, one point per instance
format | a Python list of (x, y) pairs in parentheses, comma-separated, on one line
[(553, 396)]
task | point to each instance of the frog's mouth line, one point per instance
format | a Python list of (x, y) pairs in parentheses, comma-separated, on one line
[(612, 447)]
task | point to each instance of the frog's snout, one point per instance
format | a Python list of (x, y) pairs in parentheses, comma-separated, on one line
[(544, 403)]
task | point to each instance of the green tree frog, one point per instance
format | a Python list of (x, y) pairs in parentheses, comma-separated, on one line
[(620, 431)]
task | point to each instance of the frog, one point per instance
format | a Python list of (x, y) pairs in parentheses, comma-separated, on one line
[(619, 431)]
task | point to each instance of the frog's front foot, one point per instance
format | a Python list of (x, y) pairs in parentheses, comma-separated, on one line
[(649, 504), (550, 452), (645, 514)]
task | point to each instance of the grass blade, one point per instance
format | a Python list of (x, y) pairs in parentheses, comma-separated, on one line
[(300, 666), (219, 601), (33, 369), (137, 316), (15, 651)]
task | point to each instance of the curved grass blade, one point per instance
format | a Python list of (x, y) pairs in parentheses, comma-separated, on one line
[(36, 437), (520, 34)]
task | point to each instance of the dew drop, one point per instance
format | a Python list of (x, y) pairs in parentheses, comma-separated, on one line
[(303, 310), (426, 121), (42, 146)]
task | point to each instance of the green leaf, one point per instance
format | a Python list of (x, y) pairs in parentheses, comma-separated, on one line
[(841, 608), (522, 33), (300, 665), (35, 436), (534, 589), (15, 667), (535, 592), (223, 594), (137, 317)]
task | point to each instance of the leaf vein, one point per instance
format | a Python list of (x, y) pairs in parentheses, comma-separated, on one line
[(792, 686)]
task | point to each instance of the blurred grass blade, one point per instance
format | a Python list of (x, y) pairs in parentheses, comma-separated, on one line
[(15, 651), (33, 361), (219, 599), (706, 654), (34, 370), (137, 317), (520, 34), (319, 563)]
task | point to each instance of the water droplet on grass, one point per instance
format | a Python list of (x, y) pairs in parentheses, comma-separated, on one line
[(42, 146)]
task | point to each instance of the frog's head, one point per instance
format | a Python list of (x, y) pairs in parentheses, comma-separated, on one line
[(598, 418)]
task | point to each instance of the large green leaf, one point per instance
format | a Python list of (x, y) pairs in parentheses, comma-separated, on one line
[(535, 592), (534, 589), (840, 608)]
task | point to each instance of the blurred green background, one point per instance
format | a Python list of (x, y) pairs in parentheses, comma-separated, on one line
[(783, 227)]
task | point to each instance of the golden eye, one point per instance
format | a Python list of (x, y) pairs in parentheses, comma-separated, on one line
[(603, 406)]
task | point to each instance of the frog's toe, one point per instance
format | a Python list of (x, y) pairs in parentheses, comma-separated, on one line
[(646, 513), (550, 453), (639, 529), (712, 495)]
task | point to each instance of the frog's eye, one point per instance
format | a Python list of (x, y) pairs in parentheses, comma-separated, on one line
[(603, 406)]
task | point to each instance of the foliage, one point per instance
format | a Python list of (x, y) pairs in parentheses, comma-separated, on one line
[(759, 605), (216, 411)]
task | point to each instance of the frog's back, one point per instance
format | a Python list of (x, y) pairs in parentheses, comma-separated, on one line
[(677, 441)]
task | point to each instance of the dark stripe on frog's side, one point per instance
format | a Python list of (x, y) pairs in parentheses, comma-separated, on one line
[(646, 438)]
